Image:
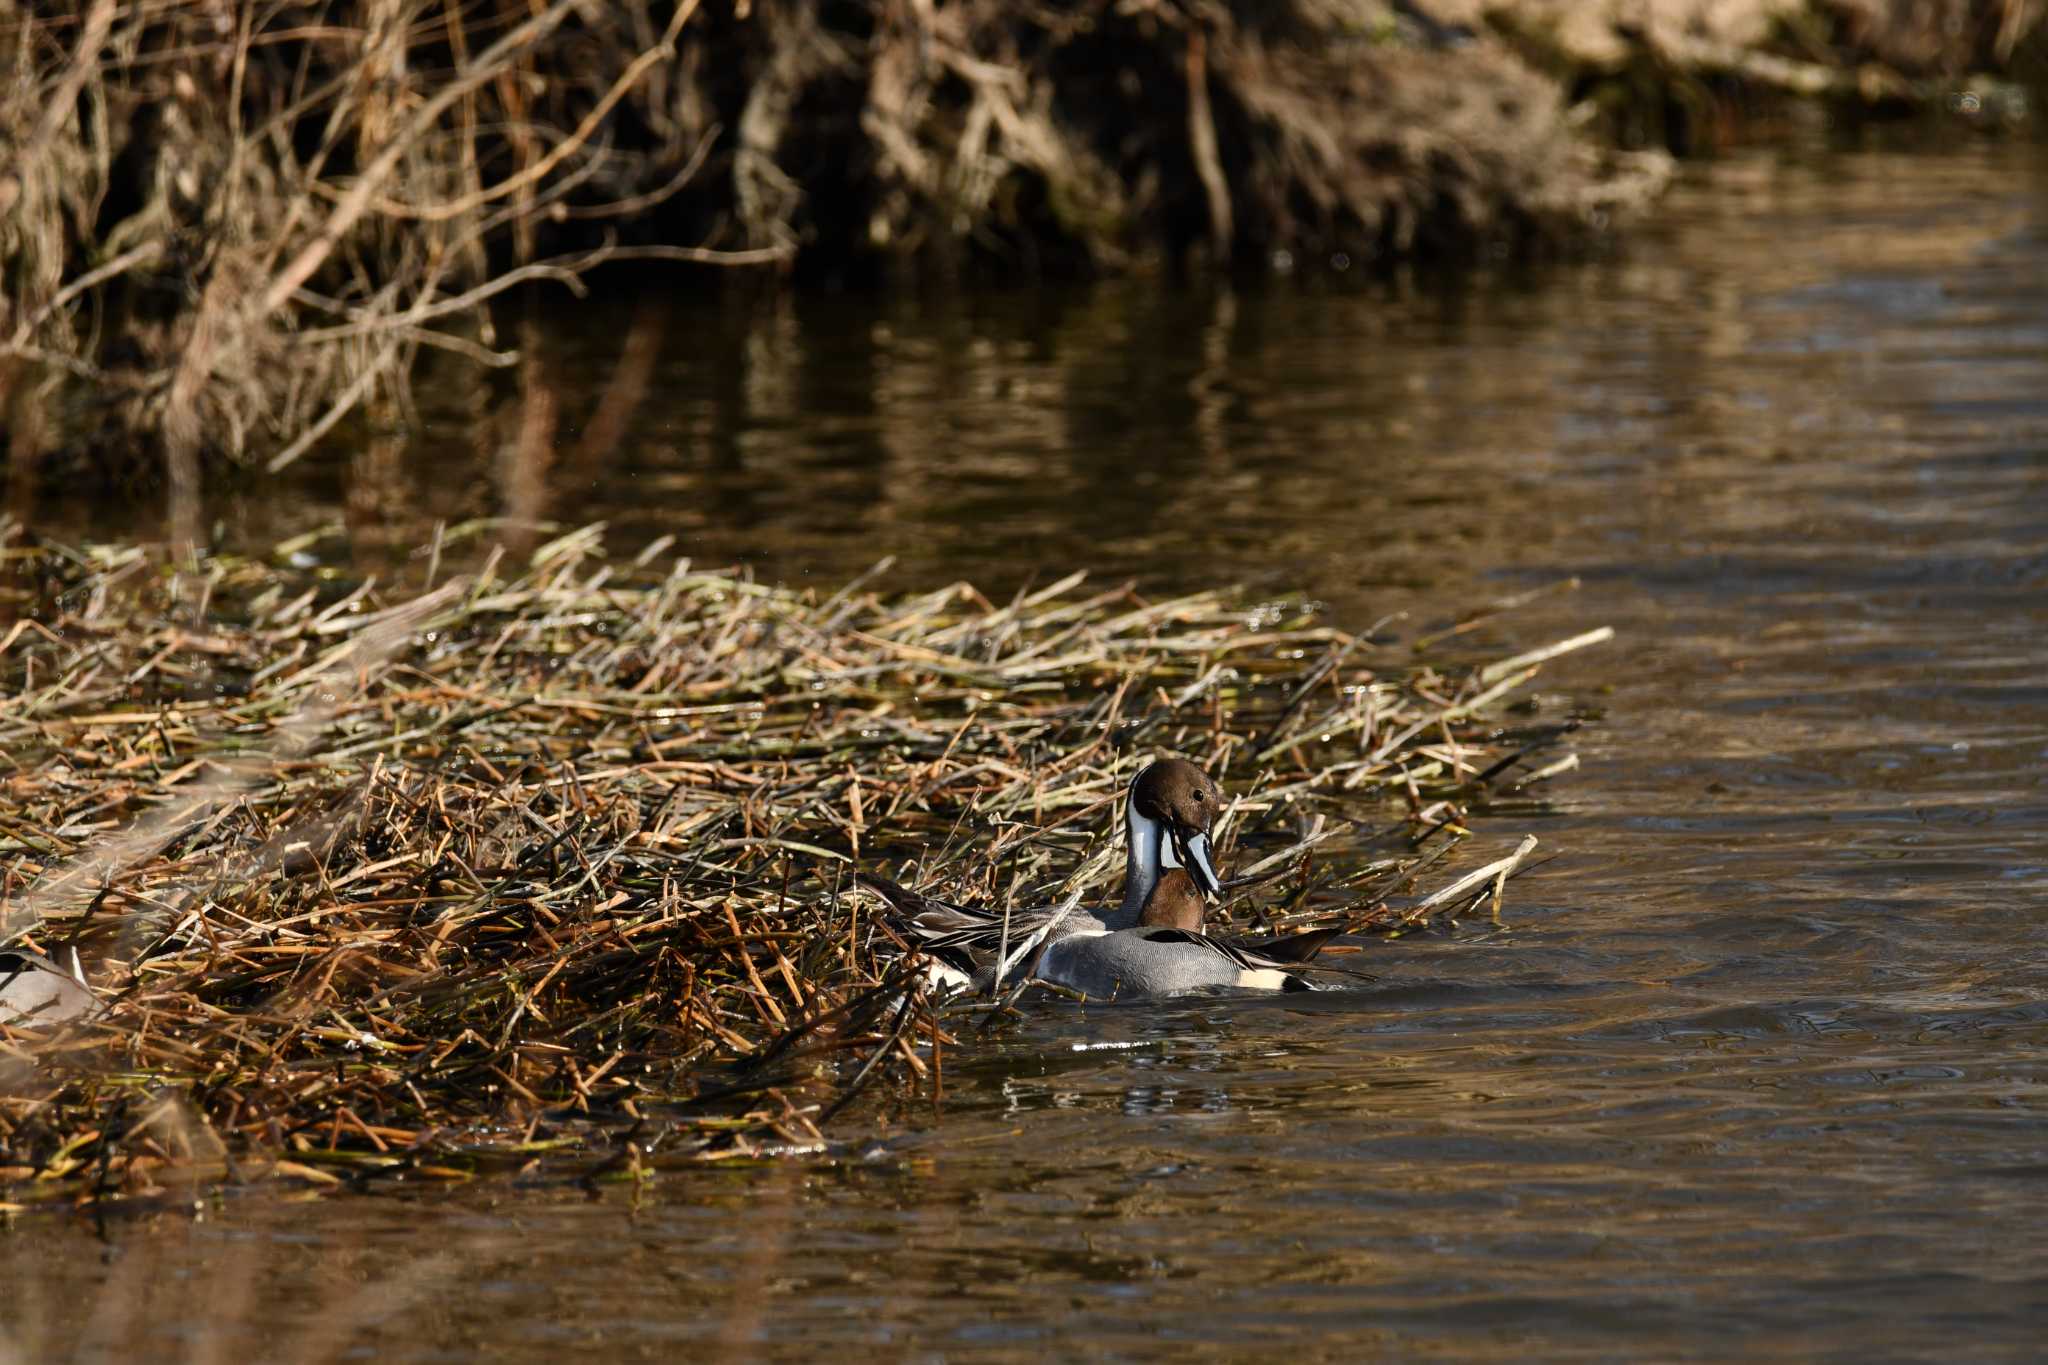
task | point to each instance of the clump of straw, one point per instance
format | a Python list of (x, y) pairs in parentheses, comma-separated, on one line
[(423, 881)]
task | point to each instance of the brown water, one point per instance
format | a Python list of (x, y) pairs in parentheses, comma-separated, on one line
[(1759, 1069)]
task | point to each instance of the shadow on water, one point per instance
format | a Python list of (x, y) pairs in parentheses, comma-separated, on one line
[(1757, 1069)]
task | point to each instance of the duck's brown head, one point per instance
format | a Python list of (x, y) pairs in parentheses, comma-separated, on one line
[(1176, 792), (1184, 801)]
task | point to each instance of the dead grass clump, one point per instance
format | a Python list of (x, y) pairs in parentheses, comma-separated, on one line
[(1926, 38), (422, 881), (1246, 132), (1693, 67)]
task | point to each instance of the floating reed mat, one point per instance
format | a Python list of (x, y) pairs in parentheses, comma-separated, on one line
[(351, 882)]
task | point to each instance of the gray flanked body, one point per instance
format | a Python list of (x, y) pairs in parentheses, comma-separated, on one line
[(1149, 962), (1166, 952)]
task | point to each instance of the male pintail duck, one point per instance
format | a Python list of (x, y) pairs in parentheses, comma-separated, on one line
[(1168, 813), (1150, 944), (1167, 953)]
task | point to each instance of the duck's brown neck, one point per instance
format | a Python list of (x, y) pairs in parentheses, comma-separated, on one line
[(1174, 903)]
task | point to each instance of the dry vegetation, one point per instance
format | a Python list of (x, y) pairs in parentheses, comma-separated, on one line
[(1805, 46), (427, 881), (226, 228)]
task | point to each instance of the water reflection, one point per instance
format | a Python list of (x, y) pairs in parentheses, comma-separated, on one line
[(1756, 1068)]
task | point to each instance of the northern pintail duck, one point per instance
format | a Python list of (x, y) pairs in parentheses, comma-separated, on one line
[(1168, 813), (1152, 943)]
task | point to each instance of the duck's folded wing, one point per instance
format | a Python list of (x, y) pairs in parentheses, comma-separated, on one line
[(964, 937), (1296, 948)]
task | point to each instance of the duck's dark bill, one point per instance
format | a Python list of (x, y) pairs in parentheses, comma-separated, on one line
[(1193, 848)]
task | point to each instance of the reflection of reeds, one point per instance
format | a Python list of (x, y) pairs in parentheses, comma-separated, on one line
[(207, 1290), (520, 865)]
